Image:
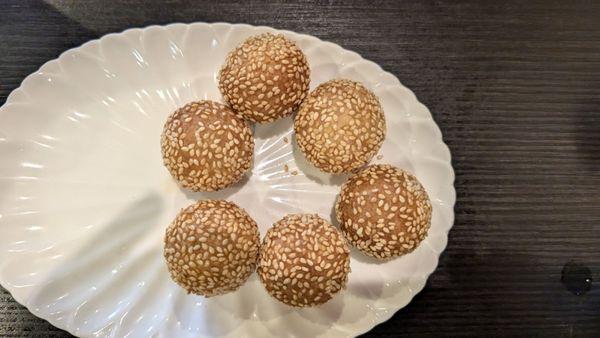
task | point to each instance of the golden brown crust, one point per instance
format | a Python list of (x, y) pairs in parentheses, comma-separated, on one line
[(384, 211), (304, 260), (211, 247), (265, 78), (340, 126), (206, 146)]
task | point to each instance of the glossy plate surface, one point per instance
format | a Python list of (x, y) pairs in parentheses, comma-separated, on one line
[(85, 199)]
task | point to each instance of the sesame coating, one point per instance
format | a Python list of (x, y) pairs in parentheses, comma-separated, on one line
[(265, 78), (304, 260), (211, 247), (384, 211), (340, 126), (206, 146)]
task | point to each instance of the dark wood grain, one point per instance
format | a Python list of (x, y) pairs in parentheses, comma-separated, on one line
[(515, 89)]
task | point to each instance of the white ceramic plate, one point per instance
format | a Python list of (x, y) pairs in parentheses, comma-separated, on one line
[(85, 199)]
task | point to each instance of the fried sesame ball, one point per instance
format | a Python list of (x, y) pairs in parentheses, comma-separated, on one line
[(206, 146), (340, 126), (304, 260), (384, 211), (265, 78), (211, 247)]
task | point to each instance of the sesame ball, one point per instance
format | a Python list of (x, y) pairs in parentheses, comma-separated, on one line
[(265, 78), (384, 211), (211, 247), (340, 126), (206, 146), (304, 260)]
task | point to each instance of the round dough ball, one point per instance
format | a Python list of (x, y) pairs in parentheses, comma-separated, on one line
[(206, 146), (340, 126), (211, 247), (304, 260), (265, 78), (384, 211)]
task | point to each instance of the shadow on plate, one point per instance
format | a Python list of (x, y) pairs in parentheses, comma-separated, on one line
[(251, 300), (217, 195), (312, 172), (273, 129), (195, 316), (89, 274)]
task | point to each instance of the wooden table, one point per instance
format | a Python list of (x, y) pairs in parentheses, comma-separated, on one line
[(515, 89)]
